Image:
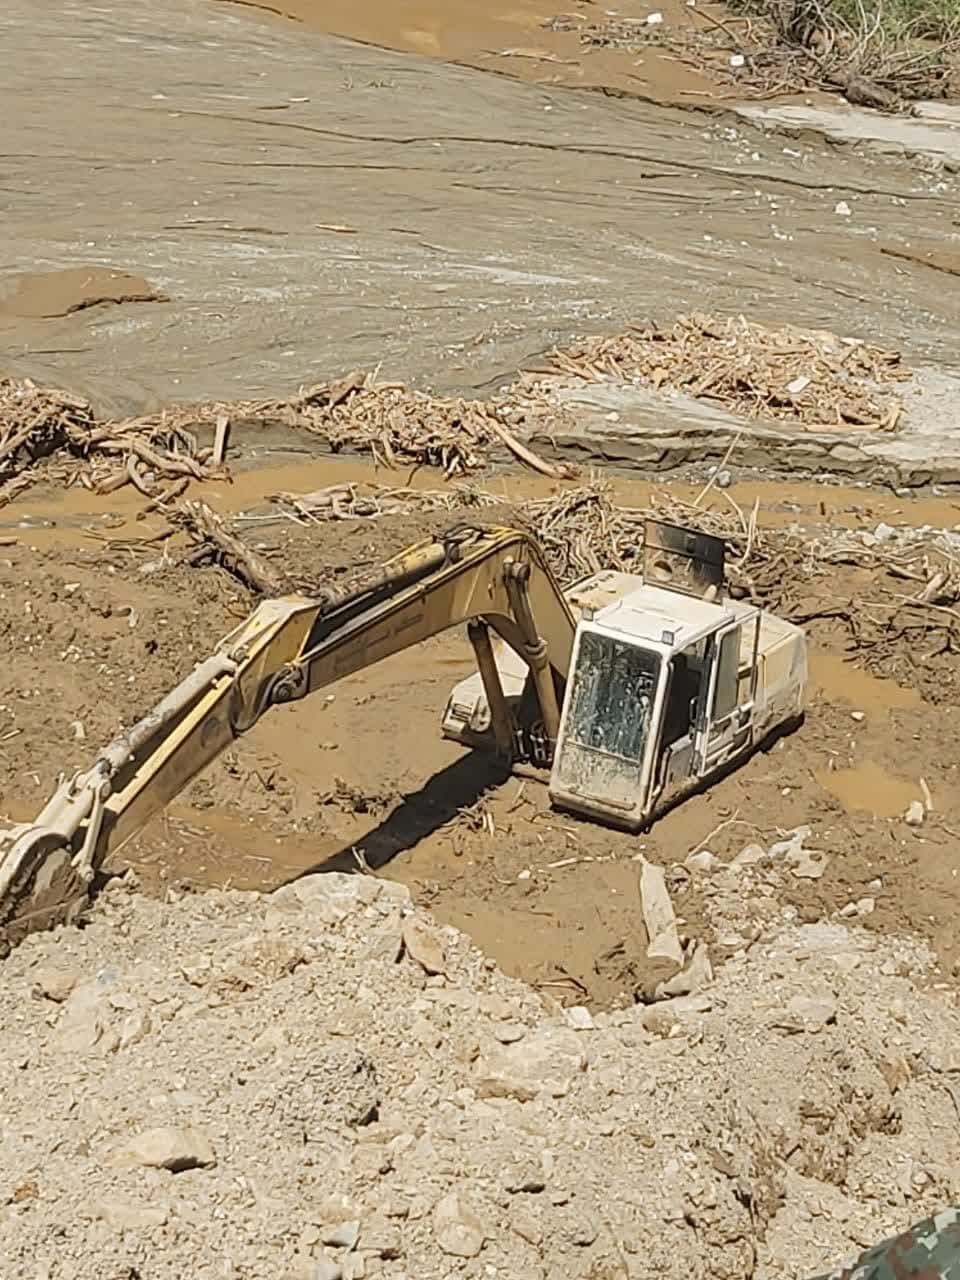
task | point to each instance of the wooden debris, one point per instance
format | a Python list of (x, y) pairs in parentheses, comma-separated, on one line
[(220, 439), (215, 541), (557, 471), (810, 378)]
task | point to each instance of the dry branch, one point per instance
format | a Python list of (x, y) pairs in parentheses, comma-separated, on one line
[(215, 542)]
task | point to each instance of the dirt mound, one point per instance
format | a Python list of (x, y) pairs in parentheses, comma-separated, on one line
[(420, 1123)]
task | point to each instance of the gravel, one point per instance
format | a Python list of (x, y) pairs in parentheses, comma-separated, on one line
[(274, 1087)]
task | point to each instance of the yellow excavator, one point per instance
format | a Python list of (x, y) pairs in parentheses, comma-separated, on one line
[(630, 689)]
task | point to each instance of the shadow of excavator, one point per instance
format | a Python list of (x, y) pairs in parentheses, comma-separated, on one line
[(419, 814)]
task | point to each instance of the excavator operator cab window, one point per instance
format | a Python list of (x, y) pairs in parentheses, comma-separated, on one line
[(686, 688), (608, 720), (728, 663)]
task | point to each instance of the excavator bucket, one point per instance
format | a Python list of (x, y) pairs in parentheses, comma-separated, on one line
[(39, 885)]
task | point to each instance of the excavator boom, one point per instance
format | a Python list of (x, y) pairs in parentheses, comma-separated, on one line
[(288, 648)]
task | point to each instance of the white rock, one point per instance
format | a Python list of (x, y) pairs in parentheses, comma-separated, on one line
[(749, 855), (842, 208), (696, 973), (508, 1032), (457, 1230), (324, 1268), (915, 814), (342, 1235), (54, 984), (859, 716), (134, 1028), (86, 1014), (423, 945), (705, 861), (545, 1062), (580, 1018), (811, 1013), (332, 896), (130, 1215), (168, 1148)]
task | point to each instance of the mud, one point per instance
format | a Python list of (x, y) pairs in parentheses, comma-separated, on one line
[(97, 626), (514, 39), (311, 206), (61, 293), (871, 789)]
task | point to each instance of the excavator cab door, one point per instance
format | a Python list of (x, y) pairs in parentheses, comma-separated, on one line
[(726, 722)]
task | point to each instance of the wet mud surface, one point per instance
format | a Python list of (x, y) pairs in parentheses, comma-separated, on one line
[(311, 205), (97, 627), (521, 39)]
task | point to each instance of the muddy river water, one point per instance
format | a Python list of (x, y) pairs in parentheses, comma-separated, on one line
[(310, 205)]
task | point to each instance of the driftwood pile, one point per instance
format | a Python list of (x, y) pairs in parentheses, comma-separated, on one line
[(897, 597), (809, 379), (812, 379), (160, 454), (775, 47), (582, 531), (61, 432)]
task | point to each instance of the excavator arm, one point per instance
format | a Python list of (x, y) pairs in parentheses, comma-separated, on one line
[(288, 648)]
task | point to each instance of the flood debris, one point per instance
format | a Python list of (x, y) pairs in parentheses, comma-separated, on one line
[(212, 540), (812, 379), (678, 969), (915, 814), (763, 49)]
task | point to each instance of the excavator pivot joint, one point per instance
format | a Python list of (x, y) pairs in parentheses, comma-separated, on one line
[(289, 685)]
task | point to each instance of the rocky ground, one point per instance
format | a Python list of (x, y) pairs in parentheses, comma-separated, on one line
[(321, 1082)]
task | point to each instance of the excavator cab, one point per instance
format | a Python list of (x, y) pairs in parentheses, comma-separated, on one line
[(608, 728), (668, 682)]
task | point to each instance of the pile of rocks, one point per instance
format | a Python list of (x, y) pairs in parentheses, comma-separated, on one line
[(323, 1083)]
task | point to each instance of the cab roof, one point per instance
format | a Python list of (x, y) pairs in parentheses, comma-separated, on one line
[(624, 602)]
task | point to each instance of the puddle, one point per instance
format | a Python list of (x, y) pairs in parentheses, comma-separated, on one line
[(76, 517), (836, 680), (869, 788)]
